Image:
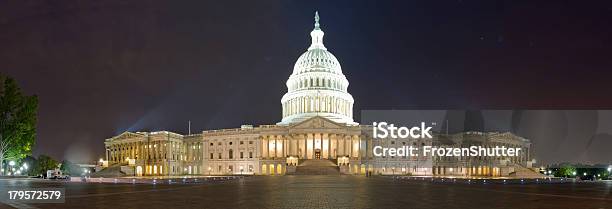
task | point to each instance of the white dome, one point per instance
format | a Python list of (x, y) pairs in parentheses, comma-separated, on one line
[(317, 60), (317, 86)]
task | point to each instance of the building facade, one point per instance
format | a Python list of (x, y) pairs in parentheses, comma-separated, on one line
[(317, 124)]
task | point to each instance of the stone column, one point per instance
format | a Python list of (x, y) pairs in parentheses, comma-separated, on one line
[(337, 147), (314, 138), (329, 146), (266, 147), (351, 146), (359, 147), (275, 146), (289, 145)]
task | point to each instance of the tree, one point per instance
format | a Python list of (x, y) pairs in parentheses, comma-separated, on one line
[(70, 168), (45, 163), (18, 115), (567, 170), (32, 163)]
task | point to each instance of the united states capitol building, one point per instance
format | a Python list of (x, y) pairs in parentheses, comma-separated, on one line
[(316, 135)]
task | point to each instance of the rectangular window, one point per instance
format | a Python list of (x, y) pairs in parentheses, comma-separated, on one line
[(219, 156), (241, 142), (250, 154), (231, 168), (211, 156), (241, 156), (250, 142)]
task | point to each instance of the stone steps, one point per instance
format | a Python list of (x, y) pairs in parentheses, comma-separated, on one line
[(523, 172), (317, 167)]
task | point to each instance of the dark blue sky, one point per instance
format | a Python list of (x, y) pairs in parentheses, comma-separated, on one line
[(103, 67)]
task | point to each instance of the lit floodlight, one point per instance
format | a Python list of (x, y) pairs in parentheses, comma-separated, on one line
[(12, 163)]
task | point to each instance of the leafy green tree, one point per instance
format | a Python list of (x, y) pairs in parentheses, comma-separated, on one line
[(32, 163), (70, 168), (45, 163), (566, 170), (18, 116)]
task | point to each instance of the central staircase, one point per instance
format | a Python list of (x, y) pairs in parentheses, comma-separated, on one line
[(521, 171), (317, 167)]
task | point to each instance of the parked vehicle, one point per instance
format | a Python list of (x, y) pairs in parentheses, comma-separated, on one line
[(56, 174)]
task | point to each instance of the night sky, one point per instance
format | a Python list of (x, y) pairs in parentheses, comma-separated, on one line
[(104, 67)]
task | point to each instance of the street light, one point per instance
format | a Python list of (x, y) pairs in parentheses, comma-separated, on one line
[(12, 163)]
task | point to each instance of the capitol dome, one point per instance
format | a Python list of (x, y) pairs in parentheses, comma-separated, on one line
[(317, 86), (317, 60)]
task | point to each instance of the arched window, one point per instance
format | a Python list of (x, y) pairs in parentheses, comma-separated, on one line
[(231, 154)]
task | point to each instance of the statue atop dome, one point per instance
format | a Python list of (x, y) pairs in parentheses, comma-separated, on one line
[(317, 35), (316, 20)]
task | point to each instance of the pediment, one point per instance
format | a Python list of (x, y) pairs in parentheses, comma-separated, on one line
[(126, 135), (317, 122)]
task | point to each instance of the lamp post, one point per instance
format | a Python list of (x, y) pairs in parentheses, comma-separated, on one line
[(12, 163)]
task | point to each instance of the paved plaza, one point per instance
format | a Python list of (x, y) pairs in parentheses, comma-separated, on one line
[(322, 192)]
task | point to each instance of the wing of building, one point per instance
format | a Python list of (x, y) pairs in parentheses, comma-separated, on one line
[(317, 135)]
